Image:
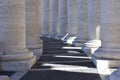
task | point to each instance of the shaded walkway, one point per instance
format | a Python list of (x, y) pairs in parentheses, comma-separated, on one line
[(61, 61)]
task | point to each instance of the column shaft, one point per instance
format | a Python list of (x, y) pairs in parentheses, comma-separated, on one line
[(94, 19), (93, 27), (72, 20), (82, 34), (72, 17), (12, 36), (45, 17), (53, 18), (62, 19), (33, 41), (109, 52)]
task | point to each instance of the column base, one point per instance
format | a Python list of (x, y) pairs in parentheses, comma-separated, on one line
[(102, 63), (52, 35), (89, 51), (58, 38), (43, 35), (37, 53), (91, 46), (37, 50), (69, 38), (78, 42), (18, 65), (17, 60), (61, 36), (35, 46)]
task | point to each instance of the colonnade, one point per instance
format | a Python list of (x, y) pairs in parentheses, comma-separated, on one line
[(93, 25)]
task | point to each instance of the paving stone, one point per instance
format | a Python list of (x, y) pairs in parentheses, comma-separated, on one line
[(57, 63)]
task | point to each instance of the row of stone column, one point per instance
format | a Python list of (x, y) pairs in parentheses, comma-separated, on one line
[(19, 34), (18, 28), (77, 21), (96, 21)]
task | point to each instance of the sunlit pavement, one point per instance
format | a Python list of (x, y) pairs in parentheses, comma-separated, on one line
[(61, 61)]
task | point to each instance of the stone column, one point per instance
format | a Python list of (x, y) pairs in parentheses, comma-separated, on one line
[(114, 76), (82, 34), (109, 53), (53, 18), (33, 42), (62, 19), (93, 27), (45, 18), (15, 56), (72, 20), (40, 16)]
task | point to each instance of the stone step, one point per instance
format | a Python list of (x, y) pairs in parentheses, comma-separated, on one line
[(62, 45), (59, 52), (76, 74), (55, 51), (62, 64), (65, 54), (60, 49), (52, 42), (63, 58)]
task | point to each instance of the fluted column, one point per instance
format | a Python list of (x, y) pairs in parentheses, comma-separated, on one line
[(109, 53), (93, 27), (62, 19), (15, 56), (82, 34), (33, 42), (72, 20), (40, 16), (45, 18), (53, 18)]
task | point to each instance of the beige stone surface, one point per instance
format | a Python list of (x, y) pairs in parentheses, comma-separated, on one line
[(110, 21), (72, 17), (94, 19), (93, 27), (32, 26), (45, 17), (107, 63), (18, 65), (53, 18), (82, 30), (91, 46), (12, 36), (33, 41), (63, 26)]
